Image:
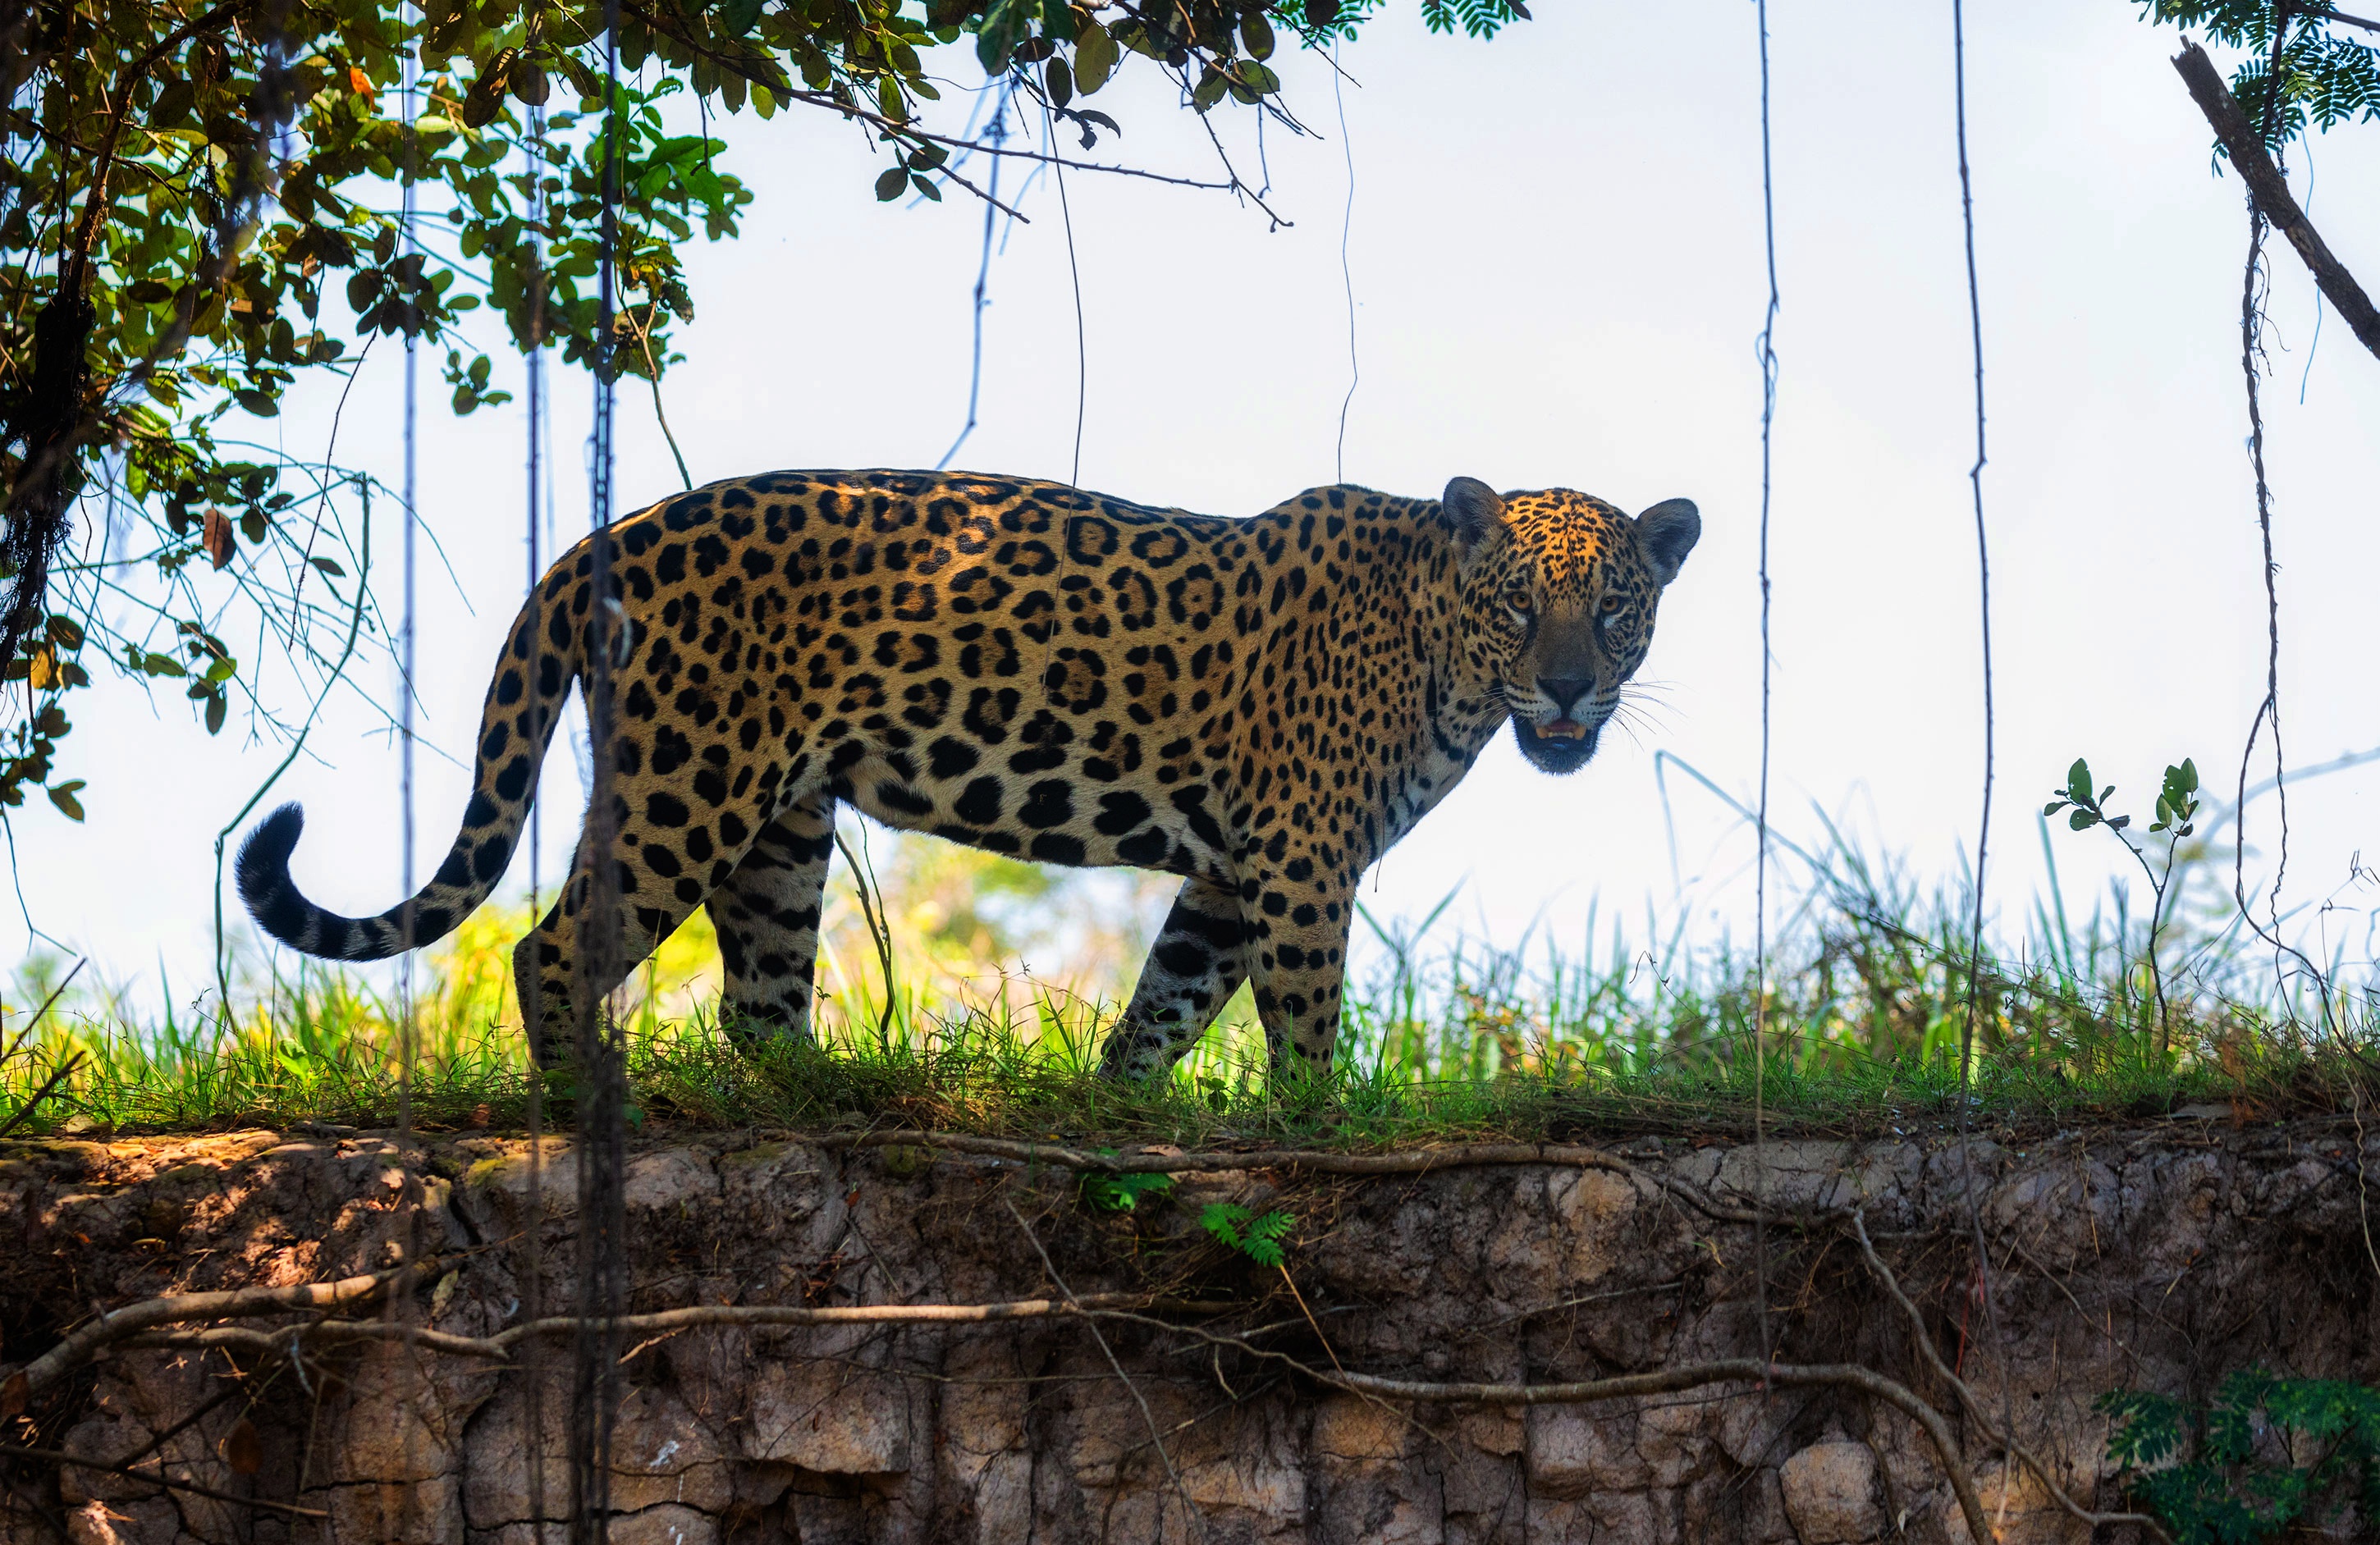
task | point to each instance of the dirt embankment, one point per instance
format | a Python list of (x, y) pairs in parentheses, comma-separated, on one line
[(2161, 1258)]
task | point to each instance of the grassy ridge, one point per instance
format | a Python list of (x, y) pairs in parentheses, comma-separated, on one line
[(1861, 1022)]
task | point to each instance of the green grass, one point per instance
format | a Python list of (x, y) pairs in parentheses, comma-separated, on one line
[(1861, 1021)]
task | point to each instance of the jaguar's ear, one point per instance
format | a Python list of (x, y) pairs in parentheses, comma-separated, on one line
[(1473, 509), (1665, 533)]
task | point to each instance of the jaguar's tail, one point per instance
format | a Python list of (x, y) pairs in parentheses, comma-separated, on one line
[(533, 676)]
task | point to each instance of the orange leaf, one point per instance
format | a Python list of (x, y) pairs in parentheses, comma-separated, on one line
[(242, 1449), (360, 82), (219, 545)]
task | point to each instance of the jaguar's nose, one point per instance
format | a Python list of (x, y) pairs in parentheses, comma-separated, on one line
[(1567, 693)]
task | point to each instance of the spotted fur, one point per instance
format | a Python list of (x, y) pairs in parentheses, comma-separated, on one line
[(1260, 705)]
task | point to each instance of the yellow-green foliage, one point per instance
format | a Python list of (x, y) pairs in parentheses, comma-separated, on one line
[(1004, 976)]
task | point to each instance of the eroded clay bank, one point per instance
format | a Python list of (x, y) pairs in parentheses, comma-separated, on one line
[(2160, 1256)]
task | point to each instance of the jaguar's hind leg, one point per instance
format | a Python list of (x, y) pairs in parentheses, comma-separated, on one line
[(767, 915), (546, 962), (1196, 965), (678, 839)]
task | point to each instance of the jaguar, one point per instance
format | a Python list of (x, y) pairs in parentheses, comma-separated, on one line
[(1261, 706)]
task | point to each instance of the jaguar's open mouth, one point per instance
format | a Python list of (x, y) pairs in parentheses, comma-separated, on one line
[(1558, 745)]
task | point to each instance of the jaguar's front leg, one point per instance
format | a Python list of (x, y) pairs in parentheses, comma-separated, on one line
[(1193, 966), (1298, 917)]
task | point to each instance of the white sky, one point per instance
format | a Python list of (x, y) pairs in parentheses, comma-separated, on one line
[(1556, 260)]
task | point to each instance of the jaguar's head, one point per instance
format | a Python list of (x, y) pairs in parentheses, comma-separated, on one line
[(1559, 591)]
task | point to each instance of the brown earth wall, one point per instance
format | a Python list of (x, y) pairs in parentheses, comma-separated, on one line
[(2161, 1256)]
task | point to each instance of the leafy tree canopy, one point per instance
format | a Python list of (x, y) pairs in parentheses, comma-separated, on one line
[(200, 203), (2325, 63)]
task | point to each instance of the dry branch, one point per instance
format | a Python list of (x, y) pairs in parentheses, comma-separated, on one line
[(1666, 1381), (2271, 192), (1726, 1371), (55, 1456), (499, 1347), (1322, 1161), (1975, 1407), (245, 1303), (1189, 1508), (1091, 1306)]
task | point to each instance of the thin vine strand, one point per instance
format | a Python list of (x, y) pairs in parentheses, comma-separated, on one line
[(1984, 821), (1765, 347)]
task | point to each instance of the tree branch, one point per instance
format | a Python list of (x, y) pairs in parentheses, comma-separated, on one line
[(134, 1326), (1665, 1381), (2327, 13), (1403, 1161), (786, 91), (1975, 1409), (246, 1302), (2271, 192), (54, 1456)]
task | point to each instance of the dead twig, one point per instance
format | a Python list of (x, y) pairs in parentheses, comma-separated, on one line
[(1667, 1381), (24, 1036), (114, 1325), (1189, 1508), (56, 1456), (65, 1071), (499, 1346), (1973, 1407)]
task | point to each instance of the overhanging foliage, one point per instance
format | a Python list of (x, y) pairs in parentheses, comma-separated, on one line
[(201, 204)]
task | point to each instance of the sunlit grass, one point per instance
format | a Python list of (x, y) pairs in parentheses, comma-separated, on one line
[(1862, 1019)]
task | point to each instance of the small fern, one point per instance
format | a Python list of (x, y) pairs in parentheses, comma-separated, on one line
[(1258, 1237), (1123, 1193), (2271, 1453)]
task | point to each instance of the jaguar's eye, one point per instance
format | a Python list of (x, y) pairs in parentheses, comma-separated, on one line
[(1611, 605), (1520, 601)]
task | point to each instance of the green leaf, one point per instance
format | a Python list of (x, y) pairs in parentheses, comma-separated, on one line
[(738, 17), (329, 566), (2081, 819), (1123, 1193), (890, 182), (63, 796), (2078, 782), (1058, 80), (1256, 33), (162, 665), (215, 710), (999, 33), (1095, 58)]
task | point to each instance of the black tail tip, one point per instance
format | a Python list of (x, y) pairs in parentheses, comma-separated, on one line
[(263, 864)]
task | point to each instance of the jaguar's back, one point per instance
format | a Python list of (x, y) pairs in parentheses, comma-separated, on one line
[(1260, 705)]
